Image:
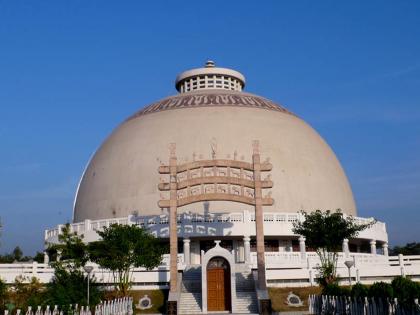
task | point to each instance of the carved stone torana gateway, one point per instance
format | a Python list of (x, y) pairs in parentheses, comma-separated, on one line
[(209, 180), (216, 180)]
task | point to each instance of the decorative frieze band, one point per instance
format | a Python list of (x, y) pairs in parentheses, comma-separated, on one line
[(213, 99)]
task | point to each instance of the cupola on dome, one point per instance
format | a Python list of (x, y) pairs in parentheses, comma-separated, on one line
[(209, 77)]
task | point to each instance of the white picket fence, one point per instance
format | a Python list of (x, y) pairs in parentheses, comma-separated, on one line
[(342, 305), (123, 306)]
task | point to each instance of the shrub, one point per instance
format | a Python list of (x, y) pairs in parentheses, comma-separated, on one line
[(26, 294), (333, 289), (3, 295), (359, 290), (405, 290), (381, 290), (70, 287)]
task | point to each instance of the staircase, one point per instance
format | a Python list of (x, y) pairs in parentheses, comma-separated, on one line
[(246, 297), (190, 297)]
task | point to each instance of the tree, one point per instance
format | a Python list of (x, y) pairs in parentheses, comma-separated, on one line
[(39, 257), (27, 293), (72, 251), (408, 249), (3, 295), (69, 284), (1, 229), (405, 290), (124, 247), (325, 232), (70, 287), (17, 254)]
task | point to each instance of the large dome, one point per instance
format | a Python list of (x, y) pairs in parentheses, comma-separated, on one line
[(122, 177)]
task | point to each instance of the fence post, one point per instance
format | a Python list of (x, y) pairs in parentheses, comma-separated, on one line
[(87, 225), (401, 263), (34, 268)]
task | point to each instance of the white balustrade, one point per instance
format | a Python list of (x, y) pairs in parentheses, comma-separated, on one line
[(283, 268), (236, 223)]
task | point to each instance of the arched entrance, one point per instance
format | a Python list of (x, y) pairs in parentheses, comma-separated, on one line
[(218, 285)]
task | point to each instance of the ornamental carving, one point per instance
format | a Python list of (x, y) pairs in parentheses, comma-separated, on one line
[(208, 99), (216, 179)]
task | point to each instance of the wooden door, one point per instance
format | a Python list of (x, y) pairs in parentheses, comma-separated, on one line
[(216, 289)]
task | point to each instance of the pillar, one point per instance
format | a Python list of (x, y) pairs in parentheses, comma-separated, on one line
[(401, 263), (346, 251), (46, 258), (302, 247), (311, 277), (34, 269), (385, 249), (187, 255), (259, 216), (247, 249), (173, 226), (87, 225), (373, 247)]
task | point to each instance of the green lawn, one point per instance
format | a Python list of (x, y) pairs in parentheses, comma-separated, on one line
[(158, 297), (279, 296)]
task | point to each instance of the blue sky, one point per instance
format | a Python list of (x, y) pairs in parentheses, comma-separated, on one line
[(70, 71)]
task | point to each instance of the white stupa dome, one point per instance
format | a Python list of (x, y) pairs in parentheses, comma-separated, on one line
[(211, 117)]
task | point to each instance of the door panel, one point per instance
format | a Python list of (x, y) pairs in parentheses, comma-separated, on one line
[(216, 292)]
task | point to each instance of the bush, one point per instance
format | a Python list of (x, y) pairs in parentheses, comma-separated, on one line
[(405, 290), (3, 295), (359, 290), (70, 287), (26, 294), (333, 289), (381, 290)]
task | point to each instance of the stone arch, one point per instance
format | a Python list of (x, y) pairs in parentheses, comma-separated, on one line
[(218, 251)]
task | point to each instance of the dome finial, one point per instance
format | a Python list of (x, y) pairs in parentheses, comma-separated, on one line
[(210, 64)]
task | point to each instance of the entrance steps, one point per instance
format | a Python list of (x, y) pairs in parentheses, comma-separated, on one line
[(190, 297), (190, 303), (246, 297)]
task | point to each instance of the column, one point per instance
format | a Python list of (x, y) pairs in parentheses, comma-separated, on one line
[(373, 247), (302, 247), (187, 255), (401, 263), (247, 249), (46, 258), (346, 251), (173, 226), (385, 249), (34, 269), (259, 217), (87, 225)]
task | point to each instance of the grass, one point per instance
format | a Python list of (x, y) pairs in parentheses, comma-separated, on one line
[(158, 297), (279, 297)]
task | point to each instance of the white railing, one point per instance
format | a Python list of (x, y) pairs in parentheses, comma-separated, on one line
[(44, 272), (274, 222), (283, 269)]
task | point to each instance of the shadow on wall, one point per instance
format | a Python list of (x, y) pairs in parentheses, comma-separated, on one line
[(189, 224)]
